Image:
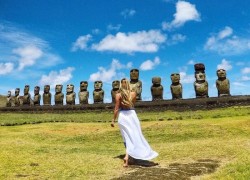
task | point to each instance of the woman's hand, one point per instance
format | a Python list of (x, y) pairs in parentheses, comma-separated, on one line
[(113, 123)]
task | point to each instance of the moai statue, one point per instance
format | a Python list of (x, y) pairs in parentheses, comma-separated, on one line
[(135, 83), (46, 95), (98, 92), (70, 95), (222, 83), (37, 96), (17, 97), (115, 89), (26, 96), (9, 99), (83, 93), (200, 85), (156, 89), (176, 86), (59, 96)]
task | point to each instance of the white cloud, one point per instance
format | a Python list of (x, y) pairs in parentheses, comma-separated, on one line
[(6, 68), (54, 77), (225, 65), (149, 65), (107, 75), (96, 31), (228, 31), (15, 37), (185, 78), (24, 49), (50, 60), (238, 84), (141, 41), (191, 62), (225, 43), (245, 70), (245, 78), (111, 27), (185, 12), (128, 13), (81, 42), (28, 55), (176, 38)]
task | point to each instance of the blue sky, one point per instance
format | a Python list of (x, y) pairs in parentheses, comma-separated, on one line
[(62, 42)]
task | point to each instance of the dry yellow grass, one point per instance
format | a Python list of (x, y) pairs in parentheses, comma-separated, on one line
[(93, 150)]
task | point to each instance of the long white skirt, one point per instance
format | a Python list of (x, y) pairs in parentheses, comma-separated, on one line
[(136, 145)]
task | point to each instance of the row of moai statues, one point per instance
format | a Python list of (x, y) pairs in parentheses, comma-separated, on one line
[(200, 87), (200, 84), (175, 87), (26, 99)]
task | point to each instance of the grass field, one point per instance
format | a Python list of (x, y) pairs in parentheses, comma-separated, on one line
[(84, 146), (2, 101)]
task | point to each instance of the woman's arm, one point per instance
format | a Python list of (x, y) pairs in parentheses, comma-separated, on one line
[(116, 109), (133, 95)]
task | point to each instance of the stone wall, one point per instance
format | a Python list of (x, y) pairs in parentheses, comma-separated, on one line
[(160, 105)]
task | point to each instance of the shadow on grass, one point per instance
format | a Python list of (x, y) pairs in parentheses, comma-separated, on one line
[(137, 162), (173, 172)]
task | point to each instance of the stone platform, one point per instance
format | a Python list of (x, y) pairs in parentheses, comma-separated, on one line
[(162, 105)]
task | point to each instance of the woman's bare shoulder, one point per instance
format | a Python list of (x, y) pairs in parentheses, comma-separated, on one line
[(118, 96), (133, 94)]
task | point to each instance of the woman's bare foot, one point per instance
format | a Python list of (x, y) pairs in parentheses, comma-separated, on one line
[(125, 160)]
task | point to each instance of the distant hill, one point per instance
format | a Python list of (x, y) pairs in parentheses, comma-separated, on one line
[(2, 101)]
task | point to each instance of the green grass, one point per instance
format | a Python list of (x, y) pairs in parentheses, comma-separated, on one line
[(86, 149), (2, 101), (8, 119)]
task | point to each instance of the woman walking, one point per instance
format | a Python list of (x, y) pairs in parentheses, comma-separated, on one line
[(129, 124)]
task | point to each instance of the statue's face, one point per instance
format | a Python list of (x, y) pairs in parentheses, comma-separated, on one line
[(70, 88), (26, 89), (36, 90), (156, 80), (221, 73), (59, 88), (175, 77), (9, 93), (46, 88), (200, 76), (98, 84), (83, 85), (116, 84), (134, 74), (17, 91)]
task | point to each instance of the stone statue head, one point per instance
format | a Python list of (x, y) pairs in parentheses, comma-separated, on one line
[(116, 84), (221, 73), (156, 80), (26, 89), (175, 78), (9, 94), (98, 85), (83, 85), (200, 76), (134, 74), (59, 88), (17, 91), (36, 90), (70, 88), (46, 88)]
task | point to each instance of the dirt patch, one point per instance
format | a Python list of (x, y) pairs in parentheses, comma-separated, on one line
[(173, 172), (21, 175)]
